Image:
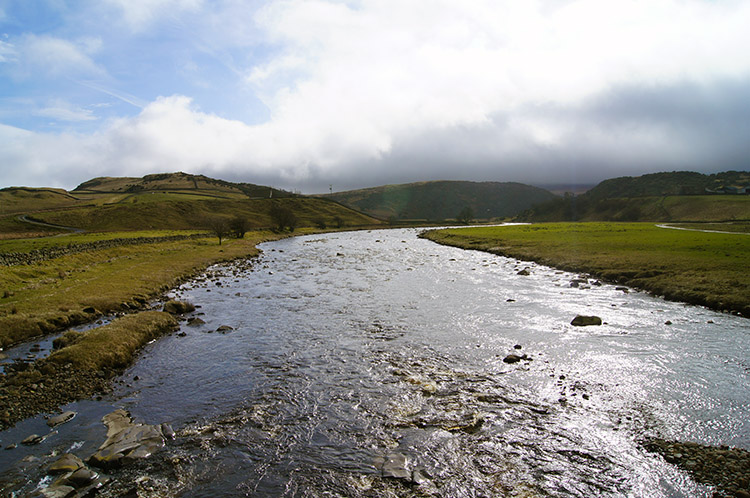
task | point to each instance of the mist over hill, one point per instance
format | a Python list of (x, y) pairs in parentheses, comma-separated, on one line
[(443, 200)]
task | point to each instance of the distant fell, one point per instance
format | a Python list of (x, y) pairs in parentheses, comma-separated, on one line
[(443, 200), (673, 183), (164, 201), (674, 196), (177, 182)]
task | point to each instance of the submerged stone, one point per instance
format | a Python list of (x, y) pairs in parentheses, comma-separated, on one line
[(395, 466)]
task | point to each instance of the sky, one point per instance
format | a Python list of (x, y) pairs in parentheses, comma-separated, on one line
[(309, 95)]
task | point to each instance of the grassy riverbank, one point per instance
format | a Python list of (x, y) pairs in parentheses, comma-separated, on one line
[(51, 295), (702, 268), (81, 369), (46, 296)]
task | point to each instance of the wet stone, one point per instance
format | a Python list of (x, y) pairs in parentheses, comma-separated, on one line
[(126, 441), (67, 463), (61, 419), (512, 358), (59, 491), (82, 477), (32, 440), (395, 466), (584, 321)]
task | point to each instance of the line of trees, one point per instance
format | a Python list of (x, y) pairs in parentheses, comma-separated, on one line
[(223, 228), (282, 218)]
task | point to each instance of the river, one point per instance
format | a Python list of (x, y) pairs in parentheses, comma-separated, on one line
[(351, 349)]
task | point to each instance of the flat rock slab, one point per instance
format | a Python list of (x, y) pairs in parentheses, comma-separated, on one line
[(126, 441), (66, 463), (59, 492)]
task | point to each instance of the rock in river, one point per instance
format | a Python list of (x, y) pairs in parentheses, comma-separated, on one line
[(512, 358), (582, 321), (126, 441), (61, 419), (178, 307), (394, 466), (66, 463)]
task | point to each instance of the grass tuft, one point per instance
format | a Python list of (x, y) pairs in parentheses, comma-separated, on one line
[(112, 346)]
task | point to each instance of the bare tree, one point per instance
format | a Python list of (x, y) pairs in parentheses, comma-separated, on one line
[(239, 226), (283, 218), (465, 216), (219, 227)]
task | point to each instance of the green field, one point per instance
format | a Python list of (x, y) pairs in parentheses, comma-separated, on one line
[(50, 295), (709, 269)]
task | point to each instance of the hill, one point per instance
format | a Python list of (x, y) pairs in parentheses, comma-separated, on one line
[(170, 201), (443, 200), (674, 183), (176, 183), (676, 196)]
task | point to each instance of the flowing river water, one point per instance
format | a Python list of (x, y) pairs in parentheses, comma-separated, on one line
[(355, 353)]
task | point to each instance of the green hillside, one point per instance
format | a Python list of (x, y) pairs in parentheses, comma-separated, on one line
[(194, 214), (176, 184), (667, 184), (170, 201), (443, 200), (676, 196)]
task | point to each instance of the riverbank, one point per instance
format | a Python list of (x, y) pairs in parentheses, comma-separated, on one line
[(81, 368), (53, 294), (701, 268)]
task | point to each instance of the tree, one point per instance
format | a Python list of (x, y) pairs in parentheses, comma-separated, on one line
[(465, 216), (219, 227), (283, 218), (239, 226)]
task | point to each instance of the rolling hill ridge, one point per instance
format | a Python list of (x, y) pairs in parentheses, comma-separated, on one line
[(675, 196), (443, 200)]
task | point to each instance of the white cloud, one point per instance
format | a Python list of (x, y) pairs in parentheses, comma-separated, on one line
[(55, 57), (7, 52), (438, 84), (61, 110)]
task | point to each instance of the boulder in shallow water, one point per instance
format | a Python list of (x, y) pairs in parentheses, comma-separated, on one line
[(32, 440), (66, 463), (512, 358), (583, 321), (61, 419), (126, 441), (178, 307)]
